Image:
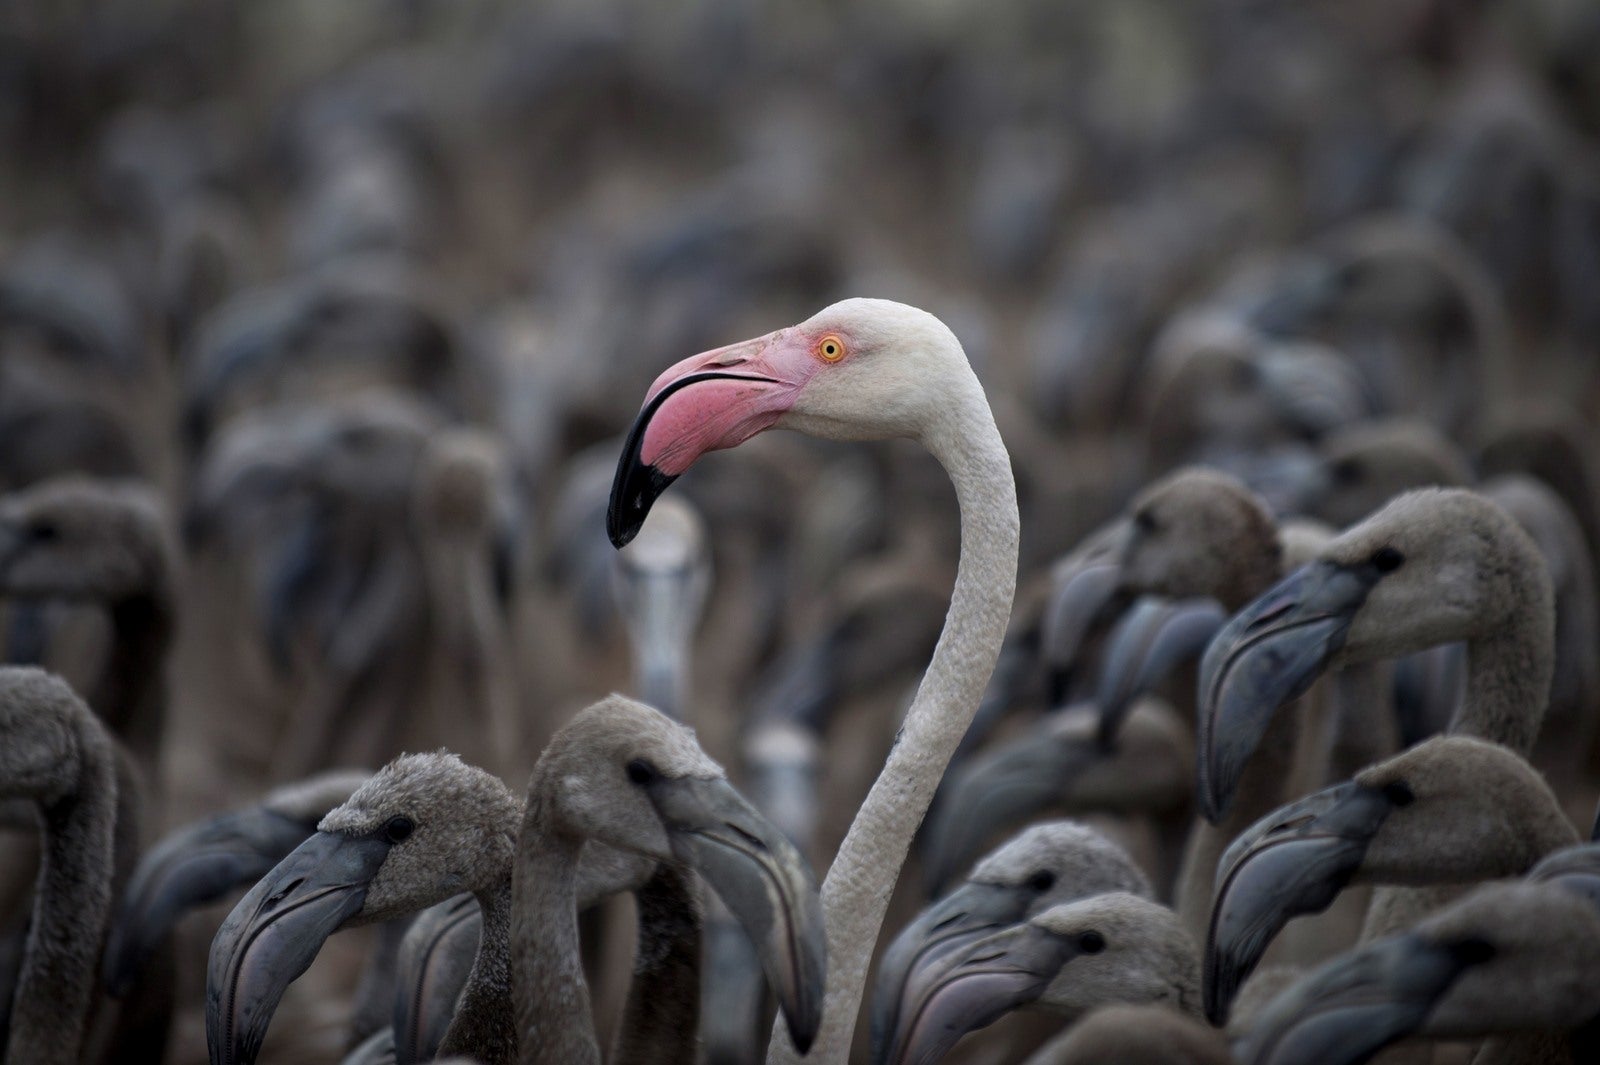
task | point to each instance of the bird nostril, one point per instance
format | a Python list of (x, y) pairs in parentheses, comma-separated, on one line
[(1273, 612), (985, 957), (283, 892), (948, 921), (754, 841)]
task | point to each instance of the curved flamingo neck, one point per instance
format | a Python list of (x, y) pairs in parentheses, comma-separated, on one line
[(661, 1019), (1508, 675), (72, 902), (482, 1027), (554, 1023), (856, 893)]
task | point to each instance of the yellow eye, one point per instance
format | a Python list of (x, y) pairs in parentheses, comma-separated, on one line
[(831, 348)]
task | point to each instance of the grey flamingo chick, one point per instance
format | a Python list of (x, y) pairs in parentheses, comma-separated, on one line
[(428, 826), (1514, 960), (1068, 960), (1451, 810), (626, 775), (1434, 566), (1044, 865)]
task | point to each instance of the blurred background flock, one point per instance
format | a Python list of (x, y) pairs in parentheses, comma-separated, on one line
[(340, 309)]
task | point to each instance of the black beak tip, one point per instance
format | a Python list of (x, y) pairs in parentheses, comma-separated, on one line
[(634, 490), (803, 1039), (620, 530), (1218, 998)]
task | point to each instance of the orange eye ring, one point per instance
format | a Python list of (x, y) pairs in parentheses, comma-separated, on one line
[(830, 348)]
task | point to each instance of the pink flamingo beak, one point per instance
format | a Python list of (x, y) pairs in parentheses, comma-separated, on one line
[(717, 399)]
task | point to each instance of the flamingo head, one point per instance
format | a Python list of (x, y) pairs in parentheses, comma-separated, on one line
[(861, 369)]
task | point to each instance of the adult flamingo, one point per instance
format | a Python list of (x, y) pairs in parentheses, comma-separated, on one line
[(861, 369)]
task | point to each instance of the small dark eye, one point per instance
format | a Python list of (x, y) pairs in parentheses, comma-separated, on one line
[(1399, 793), (397, 829), (641, 771), (1387, 560), (1091, 942), (1144, 521), (1042, 881), (1473, 951), (44, 532)]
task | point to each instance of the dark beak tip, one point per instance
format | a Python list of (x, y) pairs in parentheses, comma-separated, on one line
[(621, 534), (1217, 1001)]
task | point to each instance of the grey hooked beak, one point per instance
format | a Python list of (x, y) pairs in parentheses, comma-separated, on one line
[(1348, 1009), (1087, 598), (1294, 861), (1150, 641), (436, 958), (275, 932), (765, 883), (997, 790), (191, 867), (1268, 655), (970, 986), (968, 913)]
